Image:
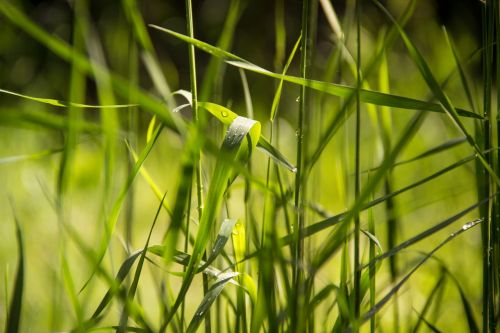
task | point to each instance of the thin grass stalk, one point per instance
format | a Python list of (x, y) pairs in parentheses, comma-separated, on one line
[(199, 125), (297, 322), (495, 223), (133, 128), (487, 35), (357, 185), (372, 270)]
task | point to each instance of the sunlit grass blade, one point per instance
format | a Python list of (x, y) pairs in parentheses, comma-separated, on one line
[(461, 71), (13, 321), (28, 157), (44, 120), (222, 237), (398, 286), (226, 116), (439, 285), (366, 96), (277, 94), (433, 85), (209, 299), (233, 148), (67, 53), (117, 205), (133, 287), (429, 232), (55, 102), (149, 179), (435, 150), (149, 56)]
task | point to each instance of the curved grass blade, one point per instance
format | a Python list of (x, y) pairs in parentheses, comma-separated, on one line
[(468, 309), (438, 286), (461, 71), (367, 96), (148, 54), (396, 288), (227, 116), (14, 314), (331, 221), (234, 148), (429, 232), (209, 299), (69, 54), (266, 147), (138, 270), (27, 157), (435, 150), (422, 319), (46, 120), (55, 102), (277, 94), (222, 237), (115, 211), (149, 179), (434, 86)]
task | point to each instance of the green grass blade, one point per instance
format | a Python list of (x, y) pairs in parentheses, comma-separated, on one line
[(435, 150), (226, 116), (28, 157), (15, 309), (209, 299), (149, 57), (44, 120), (133, 287), (222, 237), (366, 96), (55, 102), (69, 54), (118, 203), (433, 85), (438, 286), (429, 232), (430, 327), (277, 94), (234, 148), (396, 288), (461, 72)]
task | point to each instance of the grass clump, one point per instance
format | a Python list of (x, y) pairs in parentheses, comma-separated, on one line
[(349, 151)]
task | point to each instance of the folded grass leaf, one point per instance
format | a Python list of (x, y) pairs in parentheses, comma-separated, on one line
[(227, 116)]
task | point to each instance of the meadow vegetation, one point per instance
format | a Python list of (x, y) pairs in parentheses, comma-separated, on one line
[(244, 166)]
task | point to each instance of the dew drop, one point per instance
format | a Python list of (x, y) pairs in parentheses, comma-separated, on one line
[(224, 114), (297, 99)]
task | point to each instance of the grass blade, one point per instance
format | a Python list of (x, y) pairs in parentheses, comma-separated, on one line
[(366, 96), (14, 315), (55, 102), (222, 237), (394, 290), (233, 148), (433, 85), (209, 299)]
